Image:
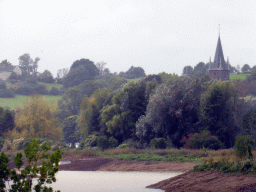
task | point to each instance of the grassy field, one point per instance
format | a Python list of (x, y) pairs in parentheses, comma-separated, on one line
[(133, 80), (132, 154), (238, 76), (50, 86), (17, 102)]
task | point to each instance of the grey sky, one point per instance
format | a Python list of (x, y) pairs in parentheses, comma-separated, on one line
[(160, 35)]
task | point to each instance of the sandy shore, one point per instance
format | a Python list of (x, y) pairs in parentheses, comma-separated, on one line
[(188, 181)]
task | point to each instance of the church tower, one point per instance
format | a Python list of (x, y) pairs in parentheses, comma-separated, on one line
[(219, 69)]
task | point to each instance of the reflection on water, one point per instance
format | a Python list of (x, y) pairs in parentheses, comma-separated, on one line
[(104, 181)]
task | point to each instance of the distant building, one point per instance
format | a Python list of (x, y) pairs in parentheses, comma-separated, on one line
[(6, 71), (219, 69)]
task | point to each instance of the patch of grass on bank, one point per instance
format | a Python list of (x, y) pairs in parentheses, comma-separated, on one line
[(176, 155), (227, 162), (14, 103), (238, 76), (50, 86)]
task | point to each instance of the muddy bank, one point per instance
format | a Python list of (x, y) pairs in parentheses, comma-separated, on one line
[(202, 181), (206, 182), (109, 164)]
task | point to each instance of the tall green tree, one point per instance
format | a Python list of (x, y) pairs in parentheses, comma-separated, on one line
[(90, 120), (200, 70), (187, 70), (135, 72), (6, 121), (218, 109), (246, 68), (70, 103), (71, 131), (28, 65), (81, 70), (127, 106), (172, 112), (46, 77)]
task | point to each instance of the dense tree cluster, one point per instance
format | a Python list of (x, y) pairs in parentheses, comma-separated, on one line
[(100, 108)]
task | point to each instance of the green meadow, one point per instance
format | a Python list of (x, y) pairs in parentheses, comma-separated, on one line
[(238, 76), (14, 103)]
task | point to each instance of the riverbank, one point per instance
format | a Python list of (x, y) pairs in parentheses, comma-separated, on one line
[(188, 181), (110, 164), (206, 182)]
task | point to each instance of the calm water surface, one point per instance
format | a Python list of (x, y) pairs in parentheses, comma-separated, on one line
[(107, 181)]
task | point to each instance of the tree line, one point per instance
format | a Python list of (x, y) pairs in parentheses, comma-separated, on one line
[(108, 111)]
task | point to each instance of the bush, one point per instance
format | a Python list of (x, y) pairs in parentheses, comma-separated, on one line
[(7, 93), (243, 146), (29, 89), (102, 142), (23, 179), (90, 141), (202, 140), (122, 146), (158, 143), (3, 85), (134, 144), (112, 142), (54, 91), (23, 144)]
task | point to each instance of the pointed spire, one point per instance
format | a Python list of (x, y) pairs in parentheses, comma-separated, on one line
[(219, 58), (210, 63)]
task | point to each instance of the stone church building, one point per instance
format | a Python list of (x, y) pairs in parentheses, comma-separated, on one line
[(219, 69)]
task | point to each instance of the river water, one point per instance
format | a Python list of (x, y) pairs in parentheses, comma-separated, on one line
[(107, 181)]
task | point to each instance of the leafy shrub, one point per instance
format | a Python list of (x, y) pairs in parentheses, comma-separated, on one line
[(7, 93), (29, 89), (243, 146), (134, 144), (112, 142), (3, 85), (23, 144), (102, 142), (158, 143), (54, 91), (23, 179), (122, 146), (201, 167), (202, 140), (32, 80), (245, 168), (90, 141)]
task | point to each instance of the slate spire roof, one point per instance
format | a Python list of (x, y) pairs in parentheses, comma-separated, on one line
[(219, 62)]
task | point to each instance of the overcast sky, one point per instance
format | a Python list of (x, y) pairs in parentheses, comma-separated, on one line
[(157, 35)]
